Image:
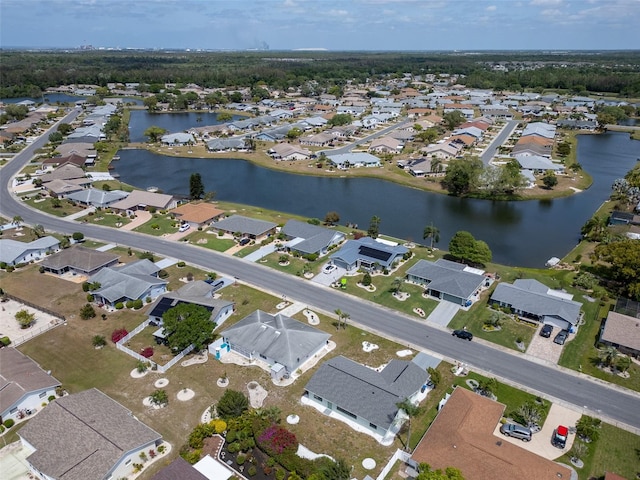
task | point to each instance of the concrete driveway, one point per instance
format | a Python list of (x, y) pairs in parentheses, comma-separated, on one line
[(13, 463), (540, 444), (443, 313), (544, 348)]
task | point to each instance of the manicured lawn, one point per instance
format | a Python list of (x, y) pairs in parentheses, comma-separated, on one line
[(107, 219), (616, 451), (210, 241), (159, 225), (295, 266), (46, 205)]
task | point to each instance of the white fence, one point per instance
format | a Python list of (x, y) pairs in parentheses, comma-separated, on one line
[(35, 332), (399, 455), (160, 368)]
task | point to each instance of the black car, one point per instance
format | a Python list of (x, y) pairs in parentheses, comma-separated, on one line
[(462, 334), (546, 331), (561, 337)]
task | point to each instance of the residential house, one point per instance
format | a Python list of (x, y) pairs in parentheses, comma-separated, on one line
[(464, 110), (13, 252), (363, 395), (96, 198), (423, 167), (64, 188), (197, 214), (346, 160), (386, 144), (178, 139), (540, 129), (23, 384), (180, 469), (464, 139), (67, 171), (73, 159), (533, 145), (226, 144), (280, 341), (81, 149), (132, 281), (318, 140), (443, 151), (454, 282), (622, 332), (86, 435), (462, 436), (143, 200), (193, 293), (538, 164), (245, 227), (78, 260), (531, 299), (310, 239), (288, 152), (368, 254)]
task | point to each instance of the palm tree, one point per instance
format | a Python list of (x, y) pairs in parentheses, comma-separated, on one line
[(342, 317), (410, 411), (17, 220), (38, 230), (345, 317), (397, 284), (339, 313), (609, 355), (431, 232)]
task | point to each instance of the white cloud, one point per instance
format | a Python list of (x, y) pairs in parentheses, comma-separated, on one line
[(338, 13), (491, 8), (546, 2)]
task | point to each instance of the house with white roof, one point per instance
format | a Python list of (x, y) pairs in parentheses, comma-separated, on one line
[(346, 160), (177, 139), (538, 164)]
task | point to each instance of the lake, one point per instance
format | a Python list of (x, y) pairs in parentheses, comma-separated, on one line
[(171, 122), (525, 233)]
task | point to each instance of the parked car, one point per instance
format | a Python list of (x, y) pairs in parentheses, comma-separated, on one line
[(516, 431), (546, 330), (561, 337), (184, 227), (559, 438), (462, 334), (244, 241), (328, 268)]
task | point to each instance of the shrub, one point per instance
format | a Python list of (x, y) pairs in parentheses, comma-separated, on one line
[(435, 375), (233, 447), (129, 304), (9, 422), (276, 440), (41, 269), (161, 449), (137, 304), (240, 459), (59, 390), (231, 436), (141, 366), (181, 264), (87, 312), (218, 425), (152, 453), (90, 298), (98, 341), (5, 341), (147, 352), (119, 306), (118, 335), (280, 474), (252, 471)]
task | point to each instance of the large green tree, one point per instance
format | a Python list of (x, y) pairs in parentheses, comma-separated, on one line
[(374, 227), (154, 133), (196, 187), (340, 119), (188, 324), (464, 246), (453, 119), (450, 473), (622, 260), (462, 175)]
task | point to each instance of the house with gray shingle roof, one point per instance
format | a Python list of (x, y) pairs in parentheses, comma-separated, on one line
[(97, 198), (132, 281), (532, 299), (538, 164), (78, 259), (307, 239), (86, 435), (368, 254), (363, 395), (446, 280), (23, 384), (142, 200), (13, 252), (282, 342), (179, 138), (246, 226)]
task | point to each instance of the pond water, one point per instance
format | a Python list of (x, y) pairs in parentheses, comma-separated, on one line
[(54, 98), (523, 233), (171, 122)]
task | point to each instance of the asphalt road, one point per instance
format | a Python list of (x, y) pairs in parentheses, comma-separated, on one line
[(491, 150), (596, 398)]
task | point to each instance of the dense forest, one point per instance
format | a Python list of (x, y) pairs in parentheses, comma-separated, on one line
[(28, 73)]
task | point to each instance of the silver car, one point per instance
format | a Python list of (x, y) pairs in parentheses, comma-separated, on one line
[(516, 431)]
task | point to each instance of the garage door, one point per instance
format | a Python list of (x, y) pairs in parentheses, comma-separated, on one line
[(556, 322)]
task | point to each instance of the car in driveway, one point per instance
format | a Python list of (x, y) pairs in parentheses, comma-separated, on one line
[(329, 268), (184, 227), (546, 330), (516, 431), (462, 334), (559, 438), (561, 337)]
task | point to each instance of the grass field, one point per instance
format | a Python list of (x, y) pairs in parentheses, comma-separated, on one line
[(53, 206), (159, 225)]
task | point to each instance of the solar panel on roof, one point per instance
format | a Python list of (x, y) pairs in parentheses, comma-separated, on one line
[(166, 303), (373, 253)]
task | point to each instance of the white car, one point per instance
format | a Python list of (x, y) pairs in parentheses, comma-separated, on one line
[(328, 268), (184, 227)]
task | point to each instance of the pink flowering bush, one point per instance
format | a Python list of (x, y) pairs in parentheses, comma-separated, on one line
[(276, 440), (147, 352)]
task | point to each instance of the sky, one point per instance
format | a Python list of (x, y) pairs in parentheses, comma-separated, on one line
[(322, 24)]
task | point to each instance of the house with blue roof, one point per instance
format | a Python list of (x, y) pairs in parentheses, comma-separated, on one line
[(368, 254)]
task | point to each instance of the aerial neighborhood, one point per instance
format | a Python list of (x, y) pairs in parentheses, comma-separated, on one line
[(157, 326)]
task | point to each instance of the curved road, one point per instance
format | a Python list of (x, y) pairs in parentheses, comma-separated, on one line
[(596, 398)]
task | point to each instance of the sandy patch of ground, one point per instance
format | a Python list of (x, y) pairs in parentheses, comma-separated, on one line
[(196, 359), (185, 394), (419, 311), (257, 394), (312, 317), (293, 419), (369, 347), (146, 401), (161, 382), (136, 374), (404, 353), (9, 326), (402, 296)]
